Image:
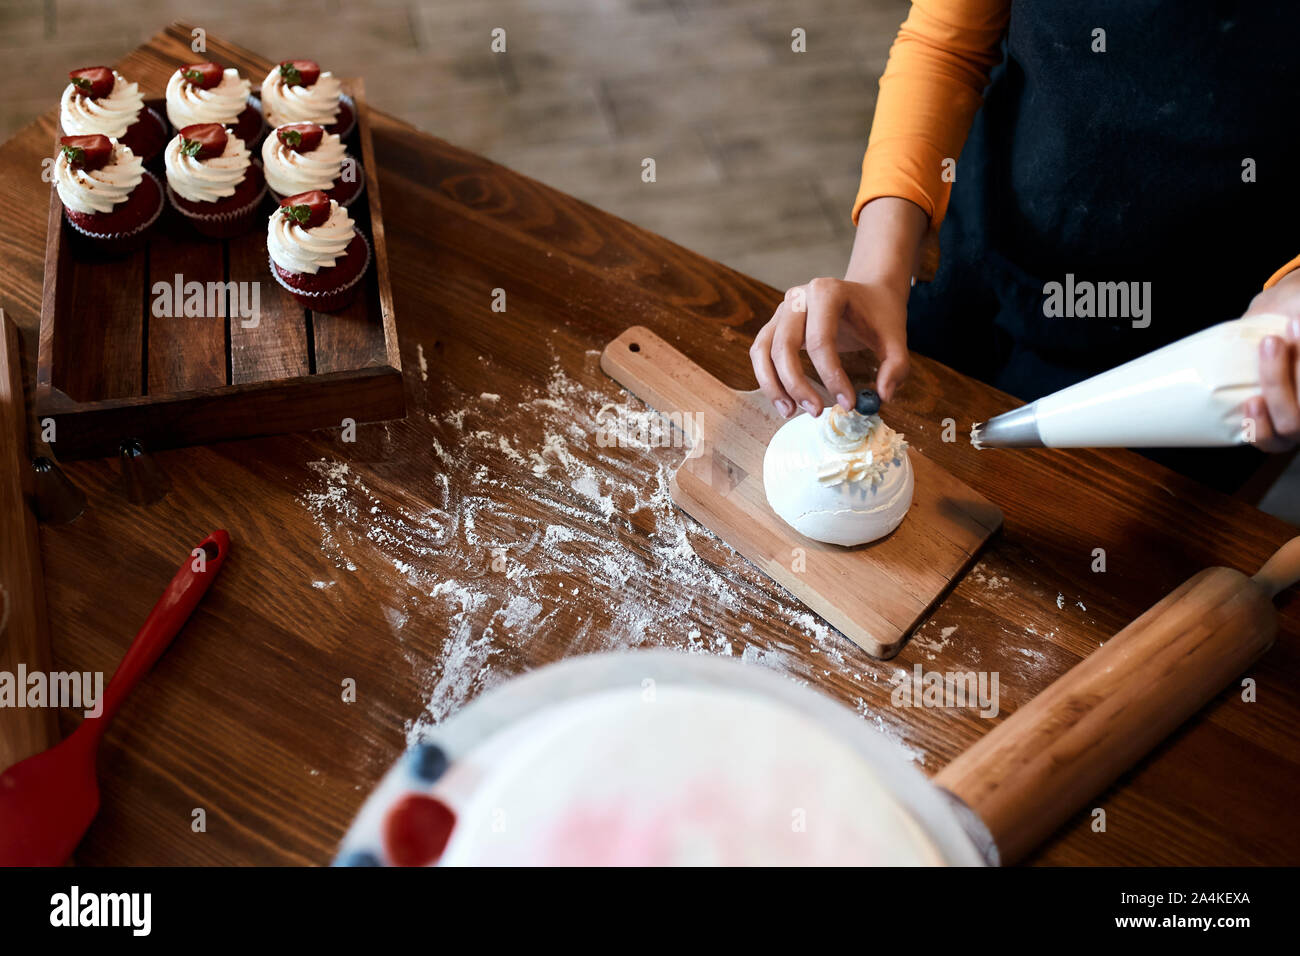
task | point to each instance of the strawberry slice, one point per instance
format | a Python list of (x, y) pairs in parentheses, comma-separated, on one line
[(93, 81), (299, 72), (301, 137), (87, 152), (307, 209), (203, 140), (203, 75)]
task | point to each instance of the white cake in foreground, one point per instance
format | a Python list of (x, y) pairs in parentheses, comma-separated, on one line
[(653, 758), (842, 478)]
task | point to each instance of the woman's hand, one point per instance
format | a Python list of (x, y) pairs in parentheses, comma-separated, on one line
[(826, 317), (1276, 412), (866, 309)]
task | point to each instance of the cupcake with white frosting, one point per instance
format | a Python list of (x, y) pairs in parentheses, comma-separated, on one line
[(316, 251), (212, 180), (301, 157), (108, 196), (201, 93), (296, 91), (100, 101)]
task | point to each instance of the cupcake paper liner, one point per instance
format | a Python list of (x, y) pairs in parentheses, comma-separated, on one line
[(255, 102), (122, 241), (345, 98), (329, 300), (218, 223), (156, 159)]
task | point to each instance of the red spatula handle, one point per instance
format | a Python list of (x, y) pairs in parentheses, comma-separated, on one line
[(165, 620)]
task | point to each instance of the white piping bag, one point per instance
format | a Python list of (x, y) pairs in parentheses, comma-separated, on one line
[(1188, 394)]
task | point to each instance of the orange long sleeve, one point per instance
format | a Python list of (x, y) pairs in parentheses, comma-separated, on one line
[(1288, 268), (929, 93)]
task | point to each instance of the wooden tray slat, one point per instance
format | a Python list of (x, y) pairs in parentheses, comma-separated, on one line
[(351, 338), (184, 352), (109, 369), (105, 317), (276, 347)]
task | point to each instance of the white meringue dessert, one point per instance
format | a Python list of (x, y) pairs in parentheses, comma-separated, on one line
[(841, 478)]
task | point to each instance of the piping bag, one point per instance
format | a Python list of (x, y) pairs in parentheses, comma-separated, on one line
[(1188, 394)]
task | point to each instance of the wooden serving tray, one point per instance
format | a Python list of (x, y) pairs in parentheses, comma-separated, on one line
[(110, 371), (876, 594)]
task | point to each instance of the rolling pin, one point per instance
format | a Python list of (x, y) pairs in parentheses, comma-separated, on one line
[(1043, 763)]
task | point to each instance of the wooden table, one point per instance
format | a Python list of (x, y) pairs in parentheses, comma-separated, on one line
[(446, 557)]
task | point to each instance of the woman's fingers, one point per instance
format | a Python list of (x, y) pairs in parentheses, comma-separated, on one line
[(825, 316), (760, 356), (1277, 378), (825, 309), (787, 342), (894, 363), (1266, 437)]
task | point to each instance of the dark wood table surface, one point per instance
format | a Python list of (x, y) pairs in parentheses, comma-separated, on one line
[(485, 536)]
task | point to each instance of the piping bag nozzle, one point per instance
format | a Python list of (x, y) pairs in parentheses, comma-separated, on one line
[(1017, 428)]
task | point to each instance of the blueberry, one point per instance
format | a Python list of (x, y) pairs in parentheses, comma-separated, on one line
[(358, 858), (868, 402), (428, 762)]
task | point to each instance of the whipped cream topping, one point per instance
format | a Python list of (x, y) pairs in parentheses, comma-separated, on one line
[(862, 448), (296, 249), (318, 103), (290, 173), (206, 180), (188, 104), (98, 190), (110, 115)]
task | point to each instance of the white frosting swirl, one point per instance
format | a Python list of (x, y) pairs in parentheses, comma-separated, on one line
[(290, 173), (98, 190), (188, 104), (110, 115), (296, 249), (318, 103), (863, 448), (206, 180)]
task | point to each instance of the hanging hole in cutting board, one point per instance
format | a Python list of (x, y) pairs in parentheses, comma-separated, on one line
[(634, 347)]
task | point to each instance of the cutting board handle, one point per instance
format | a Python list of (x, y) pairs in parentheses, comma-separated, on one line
[(665, 379), (1044, 762)]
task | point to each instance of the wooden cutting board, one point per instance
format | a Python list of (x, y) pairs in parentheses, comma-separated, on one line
[(875, 594)]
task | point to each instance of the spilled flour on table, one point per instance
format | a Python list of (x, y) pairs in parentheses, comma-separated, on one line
[(568, 507)]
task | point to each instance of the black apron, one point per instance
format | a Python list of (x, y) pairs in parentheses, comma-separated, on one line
[(1118, 166)]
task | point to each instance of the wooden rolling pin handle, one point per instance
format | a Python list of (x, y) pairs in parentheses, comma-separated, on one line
[(1027, 776), (1280, 571)]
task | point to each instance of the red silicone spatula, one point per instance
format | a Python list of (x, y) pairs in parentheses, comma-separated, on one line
[(48, 800)]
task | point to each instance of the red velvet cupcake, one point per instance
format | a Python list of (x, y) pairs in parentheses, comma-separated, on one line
[(202, 93), (100, 101), (296, 91), (301, 157), (108, 196), (316, 251), (212, 181)]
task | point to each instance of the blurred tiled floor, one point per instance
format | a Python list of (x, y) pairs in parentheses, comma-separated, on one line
[(756, 147)]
